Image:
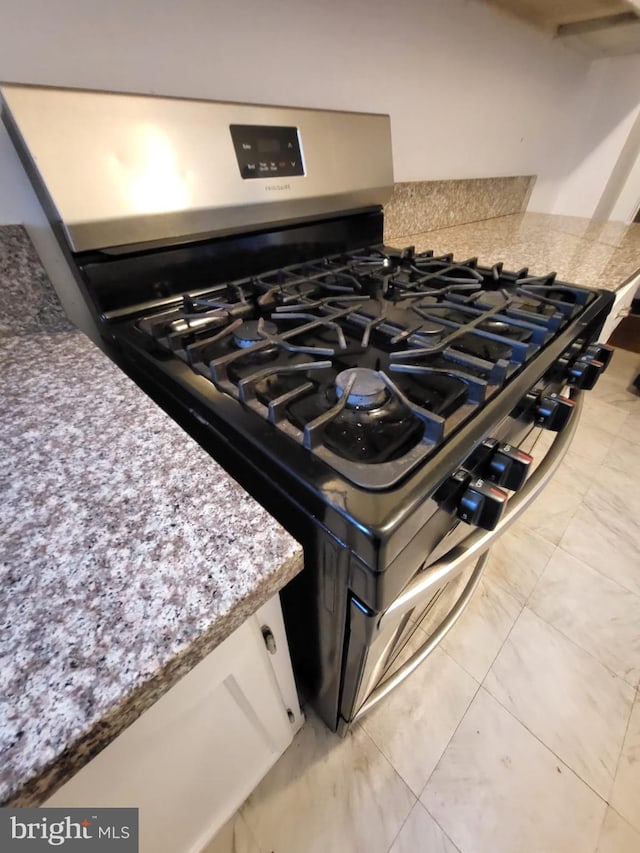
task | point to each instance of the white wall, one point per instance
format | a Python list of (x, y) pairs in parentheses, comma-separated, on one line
[(471, 92), (628, 201), (603, 121)]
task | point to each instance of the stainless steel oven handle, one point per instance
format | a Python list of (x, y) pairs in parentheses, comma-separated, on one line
[(389, 684), (477, 542), (474, 546)]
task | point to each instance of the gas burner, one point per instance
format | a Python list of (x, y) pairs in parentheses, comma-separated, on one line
[(365, 388), (252, 331), (371, 359)]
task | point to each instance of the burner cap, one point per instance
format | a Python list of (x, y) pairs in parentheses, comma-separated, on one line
[(252, 331), (367, 392)]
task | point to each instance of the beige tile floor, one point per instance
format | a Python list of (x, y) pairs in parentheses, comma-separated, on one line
[(522, 731)]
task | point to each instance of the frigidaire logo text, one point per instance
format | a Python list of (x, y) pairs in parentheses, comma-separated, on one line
[(277, 186)]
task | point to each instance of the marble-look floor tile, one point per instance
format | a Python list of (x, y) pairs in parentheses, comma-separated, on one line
[(617, 836), (622, 368), (517, 560), (329, 794), (615, 490), (615, 392), (596, 540), (497, 789), (624, 456), (597, 413), (624, 365), (595, 612), (625, 797), (630, 429), (592, 441), (475, 639), (605, 530), (569, 700), (551, 513), (576, 473), (234, 837), (430, 704), (611, 377), (421, 834)]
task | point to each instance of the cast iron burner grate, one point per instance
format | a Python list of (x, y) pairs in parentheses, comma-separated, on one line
[(369, 360)]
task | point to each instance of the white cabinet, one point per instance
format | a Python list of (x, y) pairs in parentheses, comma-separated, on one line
[(192, 758), (621, 307)]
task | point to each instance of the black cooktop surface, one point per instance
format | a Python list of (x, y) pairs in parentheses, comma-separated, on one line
[(368, 359)]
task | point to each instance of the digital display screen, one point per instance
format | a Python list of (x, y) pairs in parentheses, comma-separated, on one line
[(266, 151), (268, 146)]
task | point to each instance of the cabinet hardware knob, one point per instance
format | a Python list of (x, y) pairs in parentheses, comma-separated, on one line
[(269, 639)]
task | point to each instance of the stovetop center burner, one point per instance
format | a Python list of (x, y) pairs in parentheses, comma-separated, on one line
[(368, 390), (252, 331)]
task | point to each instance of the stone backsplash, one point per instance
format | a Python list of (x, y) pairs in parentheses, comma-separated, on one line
[(28, 302), (426, 205)]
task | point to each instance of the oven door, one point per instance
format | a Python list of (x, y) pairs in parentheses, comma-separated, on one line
[(377, 658)]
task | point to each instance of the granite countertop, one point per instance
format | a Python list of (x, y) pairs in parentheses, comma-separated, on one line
[(127, 555), (582, 251)]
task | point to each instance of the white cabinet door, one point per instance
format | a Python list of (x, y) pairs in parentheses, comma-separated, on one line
[(192, 758), (620, 308)]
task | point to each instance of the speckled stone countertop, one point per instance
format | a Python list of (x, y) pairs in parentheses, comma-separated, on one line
[(582, 251), (28, 302), (127, 554)]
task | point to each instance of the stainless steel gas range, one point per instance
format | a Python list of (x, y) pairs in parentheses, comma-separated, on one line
[(384, 405)]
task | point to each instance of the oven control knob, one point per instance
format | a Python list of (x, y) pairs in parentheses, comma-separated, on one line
[(482, 504), (509, 467), (584, 373), (553, 412), (600, 352)]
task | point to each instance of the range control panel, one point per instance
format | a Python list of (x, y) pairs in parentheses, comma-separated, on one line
[(475, 492), (267, 152)]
